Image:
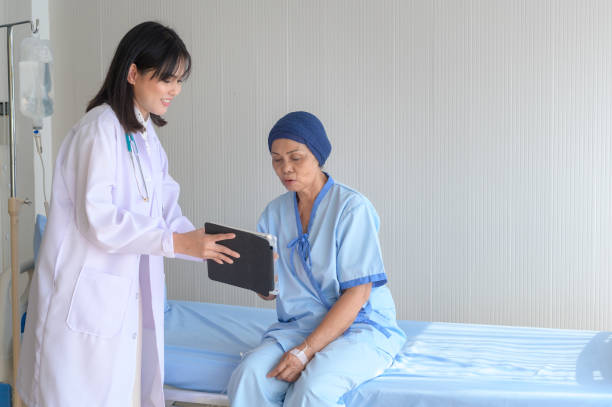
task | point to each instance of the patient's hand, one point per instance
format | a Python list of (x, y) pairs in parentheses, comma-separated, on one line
[(271, 296), (289, 368), (267, 298)]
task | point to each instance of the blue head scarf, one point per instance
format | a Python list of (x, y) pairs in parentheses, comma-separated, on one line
[(304, 128)]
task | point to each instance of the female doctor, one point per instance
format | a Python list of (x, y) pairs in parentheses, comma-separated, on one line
[(94, 334)]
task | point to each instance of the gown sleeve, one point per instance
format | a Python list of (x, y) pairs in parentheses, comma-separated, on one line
[(359, 258), (262, 224), (90, 161)]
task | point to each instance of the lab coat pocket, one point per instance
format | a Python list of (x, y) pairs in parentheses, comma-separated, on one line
[(99, 303)]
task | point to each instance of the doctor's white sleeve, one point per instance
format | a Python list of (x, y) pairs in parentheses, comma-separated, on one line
[(172, 213), (171, 209), (91, 163)]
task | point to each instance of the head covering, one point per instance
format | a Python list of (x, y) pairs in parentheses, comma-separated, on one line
[(304, 128)]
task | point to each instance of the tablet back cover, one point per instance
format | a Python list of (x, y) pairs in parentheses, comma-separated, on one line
[(254, 270)]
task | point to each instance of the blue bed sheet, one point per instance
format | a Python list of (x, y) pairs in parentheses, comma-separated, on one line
[(441, 365), (203, 342)]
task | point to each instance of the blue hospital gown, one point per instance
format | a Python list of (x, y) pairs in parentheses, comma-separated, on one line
[(340, 250)]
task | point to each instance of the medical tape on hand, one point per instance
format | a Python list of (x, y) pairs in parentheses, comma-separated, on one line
[(300, 355)]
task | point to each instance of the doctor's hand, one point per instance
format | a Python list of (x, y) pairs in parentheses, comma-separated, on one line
[(290, 367), (200, 244)]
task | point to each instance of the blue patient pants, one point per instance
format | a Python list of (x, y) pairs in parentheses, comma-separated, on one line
[(340, 367)]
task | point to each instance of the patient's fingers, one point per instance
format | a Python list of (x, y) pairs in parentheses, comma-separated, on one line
[(288, 369), (293, 376), (280, 367), (289, 374), (274, 372), (268, 298)]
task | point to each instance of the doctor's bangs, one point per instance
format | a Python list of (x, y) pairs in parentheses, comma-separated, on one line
[(177, 63)]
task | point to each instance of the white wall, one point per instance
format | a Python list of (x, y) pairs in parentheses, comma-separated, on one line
[(480, 130)]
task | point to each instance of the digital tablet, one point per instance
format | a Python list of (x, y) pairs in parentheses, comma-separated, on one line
[(254, 269)]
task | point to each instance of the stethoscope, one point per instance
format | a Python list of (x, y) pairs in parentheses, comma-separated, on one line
[(129, 139)]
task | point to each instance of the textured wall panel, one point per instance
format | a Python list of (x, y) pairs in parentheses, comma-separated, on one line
[(479, 129)]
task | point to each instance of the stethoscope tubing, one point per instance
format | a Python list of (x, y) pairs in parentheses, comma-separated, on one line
[(129, 138)]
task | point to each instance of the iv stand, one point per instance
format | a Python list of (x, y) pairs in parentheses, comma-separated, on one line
[(14, 203)]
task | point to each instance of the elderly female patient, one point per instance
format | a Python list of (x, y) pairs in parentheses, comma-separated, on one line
[(337, 324)]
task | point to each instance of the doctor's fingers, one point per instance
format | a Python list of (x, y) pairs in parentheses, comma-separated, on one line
[(217, 256), (225, 250), (210, 243), (220, 236), (220, 253)]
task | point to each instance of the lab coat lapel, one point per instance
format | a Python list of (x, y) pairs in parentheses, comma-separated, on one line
[(152, 378)]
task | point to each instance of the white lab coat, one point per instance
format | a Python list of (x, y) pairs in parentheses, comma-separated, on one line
[(103, 247)]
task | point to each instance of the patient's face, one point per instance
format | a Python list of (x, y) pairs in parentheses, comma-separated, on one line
[(294, 164)]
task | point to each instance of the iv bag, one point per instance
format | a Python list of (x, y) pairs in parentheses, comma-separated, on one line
[(35, 90)]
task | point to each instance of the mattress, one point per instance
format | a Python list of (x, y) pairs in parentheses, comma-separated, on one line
[(441, 364), (204, 342)]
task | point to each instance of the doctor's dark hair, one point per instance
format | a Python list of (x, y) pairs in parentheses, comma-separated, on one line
[(151, 46)]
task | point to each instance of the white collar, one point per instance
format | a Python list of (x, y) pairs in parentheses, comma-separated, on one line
[(141, 119)]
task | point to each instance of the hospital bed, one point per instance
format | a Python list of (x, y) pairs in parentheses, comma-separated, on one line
[(441, 364)]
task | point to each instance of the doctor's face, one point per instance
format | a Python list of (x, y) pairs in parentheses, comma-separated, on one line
[(294, 164), (153, 95)]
